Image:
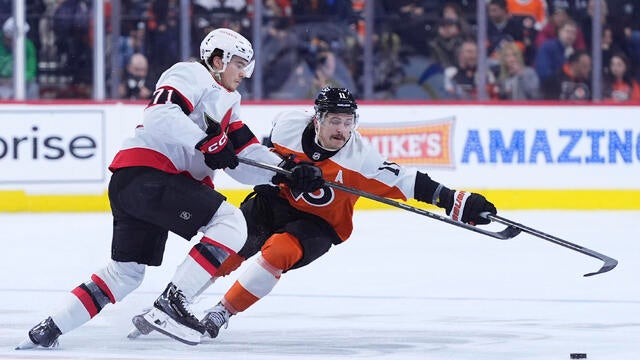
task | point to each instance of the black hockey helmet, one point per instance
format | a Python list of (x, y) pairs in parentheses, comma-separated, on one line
[(335, 100)]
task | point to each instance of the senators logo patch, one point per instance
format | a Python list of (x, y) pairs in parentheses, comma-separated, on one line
[(413, 143)]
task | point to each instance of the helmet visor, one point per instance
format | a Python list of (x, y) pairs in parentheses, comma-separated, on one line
[(248, 70)]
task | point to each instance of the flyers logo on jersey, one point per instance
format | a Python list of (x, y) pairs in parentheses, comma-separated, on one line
[(425, 143), (321, 197)]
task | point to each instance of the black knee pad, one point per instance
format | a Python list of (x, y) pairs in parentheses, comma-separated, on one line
[(138, 241)]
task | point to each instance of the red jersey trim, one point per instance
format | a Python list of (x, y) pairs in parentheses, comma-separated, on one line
[(153, 159), (142, 157)]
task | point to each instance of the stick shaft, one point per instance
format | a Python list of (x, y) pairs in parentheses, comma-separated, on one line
[(505, 234)]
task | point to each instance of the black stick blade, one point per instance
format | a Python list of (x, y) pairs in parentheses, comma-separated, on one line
[(609, 264)]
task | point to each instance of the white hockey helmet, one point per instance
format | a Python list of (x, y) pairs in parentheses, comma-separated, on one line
[(232, 44)]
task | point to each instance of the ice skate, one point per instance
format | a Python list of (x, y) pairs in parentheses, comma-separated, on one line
[(44, 334), (216, 318), (171, 316)]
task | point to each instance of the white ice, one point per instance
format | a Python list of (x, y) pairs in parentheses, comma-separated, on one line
[(403, 287)]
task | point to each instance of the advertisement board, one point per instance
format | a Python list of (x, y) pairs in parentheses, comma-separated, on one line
[(52, 146), (584, 157)]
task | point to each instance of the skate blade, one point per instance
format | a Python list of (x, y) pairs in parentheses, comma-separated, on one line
[(134, 334), (26, 344), (162, 323), (141, 327)]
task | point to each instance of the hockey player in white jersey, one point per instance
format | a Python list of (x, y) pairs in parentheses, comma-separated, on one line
[(163, 181), (289, 229)]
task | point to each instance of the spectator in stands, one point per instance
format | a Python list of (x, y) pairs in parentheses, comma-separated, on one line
[(624, 19), (460, 81), (443, 47), (553, 53), (626, 13), (336, 11), (575, 8), (550, 31), (279, 45), (135, 83), (501, 27), (410, 22), (468, 8), (574, 82), (133, 42), (71, 21), (619, 84), (163, 36), (320, 66), (516, 81), (633, 45), (585, 21), (452, 10), (328, 71), (208, 15), (534, 9), (608, 46), (528, 15), (7, 59)]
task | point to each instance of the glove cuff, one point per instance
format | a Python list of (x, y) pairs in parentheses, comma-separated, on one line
[(430, 191), (457, 207)]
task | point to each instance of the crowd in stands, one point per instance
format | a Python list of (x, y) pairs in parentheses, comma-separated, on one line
[(422, 49)]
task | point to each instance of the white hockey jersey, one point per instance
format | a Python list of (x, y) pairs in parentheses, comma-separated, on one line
[(174, 121), (357, 165)]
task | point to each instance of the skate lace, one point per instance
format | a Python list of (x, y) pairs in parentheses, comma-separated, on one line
[(219, 316), (184, 305)]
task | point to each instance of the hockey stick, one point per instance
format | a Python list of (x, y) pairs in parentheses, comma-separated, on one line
[(508, 233), (609, 263)]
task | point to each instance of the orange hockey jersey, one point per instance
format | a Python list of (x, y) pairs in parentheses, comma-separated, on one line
[(357, 165), (534, 8)]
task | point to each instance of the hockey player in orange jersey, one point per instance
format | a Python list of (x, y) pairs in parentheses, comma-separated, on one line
[(289, 229)]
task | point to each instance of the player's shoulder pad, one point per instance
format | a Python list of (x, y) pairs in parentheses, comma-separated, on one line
[(292, 116), (357, 155), (186, 77)]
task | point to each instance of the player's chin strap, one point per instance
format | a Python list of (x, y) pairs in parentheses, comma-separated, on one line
[(512, 229)]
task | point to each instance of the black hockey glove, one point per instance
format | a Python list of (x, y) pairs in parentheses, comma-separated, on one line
[(217, 149), (304, 177), (466, 207)]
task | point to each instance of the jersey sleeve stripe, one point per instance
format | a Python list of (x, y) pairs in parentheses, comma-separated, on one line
[(241, 137), (171, 95)]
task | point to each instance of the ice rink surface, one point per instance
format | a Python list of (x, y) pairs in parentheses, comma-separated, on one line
[(403, 287)]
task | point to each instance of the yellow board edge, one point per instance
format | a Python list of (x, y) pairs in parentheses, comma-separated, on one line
[(19, 201)]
